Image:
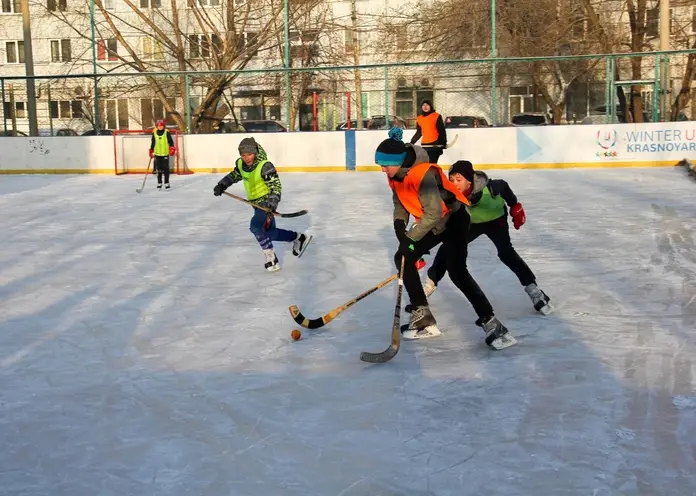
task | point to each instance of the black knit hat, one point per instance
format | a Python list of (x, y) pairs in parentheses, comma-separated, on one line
[(390, 152), (463, 167), (248, 145), (429, 102)]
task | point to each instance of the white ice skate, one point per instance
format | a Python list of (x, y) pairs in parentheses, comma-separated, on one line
[(497, 335), (272, 264), (421, 325), (300, 244), (541, 302)]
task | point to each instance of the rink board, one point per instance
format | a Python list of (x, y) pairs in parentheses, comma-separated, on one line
[(615, 145)]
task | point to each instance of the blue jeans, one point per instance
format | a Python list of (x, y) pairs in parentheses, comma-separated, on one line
[(266, 233)]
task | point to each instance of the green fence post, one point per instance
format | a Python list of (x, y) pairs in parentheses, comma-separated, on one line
[(4, 114), (607, 89), (94, 67), (657, 85), (288, 101), (386, 93), (188, 104)]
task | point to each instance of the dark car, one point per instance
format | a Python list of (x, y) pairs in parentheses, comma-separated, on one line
[(530, 119), (263, 126), (459, 121), (102, 132), (343, 126)]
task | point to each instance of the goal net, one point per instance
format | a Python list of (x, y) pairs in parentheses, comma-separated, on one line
[(131, 152)]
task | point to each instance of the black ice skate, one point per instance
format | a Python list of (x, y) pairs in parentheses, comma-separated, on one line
[(428, 288), (166, 186), (159, 186), (539, 299), (497, 335), (300, 244), (421, 325)]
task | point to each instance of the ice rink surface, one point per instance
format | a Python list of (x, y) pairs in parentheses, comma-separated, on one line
[(145, 351)]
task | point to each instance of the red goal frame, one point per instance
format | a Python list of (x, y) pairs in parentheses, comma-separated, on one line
[(120, 169)]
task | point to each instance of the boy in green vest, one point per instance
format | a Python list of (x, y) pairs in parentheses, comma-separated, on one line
[(263, 188), (161, 148), (489, 216)]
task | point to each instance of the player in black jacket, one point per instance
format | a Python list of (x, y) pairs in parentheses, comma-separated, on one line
[(488, 212)]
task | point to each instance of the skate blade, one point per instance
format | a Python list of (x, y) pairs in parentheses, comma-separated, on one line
[(428, 332), (275, 268), (304, 248), (503, 342), (547, 309)]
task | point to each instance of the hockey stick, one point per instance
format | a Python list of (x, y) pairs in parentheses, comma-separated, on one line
[(393, 348), (449, 145), (293, 214), (325, 319), (147, 173)]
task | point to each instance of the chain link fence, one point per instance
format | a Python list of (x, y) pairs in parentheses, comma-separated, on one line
[(646, 87)]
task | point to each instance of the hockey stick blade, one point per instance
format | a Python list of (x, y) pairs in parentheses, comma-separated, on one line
[(277, 214), (325, 319), (393, 347), (448, 145)]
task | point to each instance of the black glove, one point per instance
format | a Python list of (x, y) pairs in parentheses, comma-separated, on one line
[(218, 189), (406, 246), (400, 229)]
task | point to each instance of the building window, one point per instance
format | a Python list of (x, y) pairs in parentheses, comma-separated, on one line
[(152, 110), (199, 46), (114, 114), (108, 4), (66, 109), (350, 46), (203, 3), (19, 113), (107, 48), (60, 51), (14, 52), (152, 49), (652, 23), (402, 37), (248, 41), (150, 4), (10, 7), (54, 5)]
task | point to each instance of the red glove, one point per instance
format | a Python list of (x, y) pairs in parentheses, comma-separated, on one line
[(420, 264), (518, 217), (172, 151), (151, 154)]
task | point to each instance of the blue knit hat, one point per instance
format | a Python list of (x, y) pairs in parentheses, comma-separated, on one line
[(391, 151)]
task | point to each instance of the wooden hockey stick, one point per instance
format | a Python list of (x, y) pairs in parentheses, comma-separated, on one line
[(147, 173), (293, 214), (325, 319), (449, 145), (393, 348)]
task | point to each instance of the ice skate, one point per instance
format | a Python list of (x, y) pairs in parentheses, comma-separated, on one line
[(541, 302), (166, 186), (429, 288), (497, 335), (421, 325), (272, 264), (300, 244), (159, 186)]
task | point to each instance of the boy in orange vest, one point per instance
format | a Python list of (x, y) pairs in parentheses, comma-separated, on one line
[(430, 127), (420, 189)]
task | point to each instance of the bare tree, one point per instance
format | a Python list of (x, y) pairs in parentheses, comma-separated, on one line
[(221, 35)]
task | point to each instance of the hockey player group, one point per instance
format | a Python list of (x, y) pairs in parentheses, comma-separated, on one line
[(450, 211)]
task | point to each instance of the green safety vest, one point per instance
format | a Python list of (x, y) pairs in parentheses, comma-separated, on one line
[(488, 208), (254, 184), (161, 144)]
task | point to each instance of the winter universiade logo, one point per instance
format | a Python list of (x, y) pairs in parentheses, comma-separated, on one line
[(607, 141)]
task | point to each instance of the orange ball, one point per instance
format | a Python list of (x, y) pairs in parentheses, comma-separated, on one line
[(296, 334)]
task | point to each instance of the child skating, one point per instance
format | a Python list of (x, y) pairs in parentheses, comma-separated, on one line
[(488, 198), (263, 188)]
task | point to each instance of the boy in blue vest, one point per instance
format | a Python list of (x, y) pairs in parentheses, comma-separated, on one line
[(489, 216), (161, 148), (263, 188)]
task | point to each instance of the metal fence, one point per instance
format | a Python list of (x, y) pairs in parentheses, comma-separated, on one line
[(637, 87)]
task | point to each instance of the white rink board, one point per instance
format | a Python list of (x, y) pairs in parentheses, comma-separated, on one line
[(621, 145)]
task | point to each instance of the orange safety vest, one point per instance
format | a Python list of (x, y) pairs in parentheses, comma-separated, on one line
[(407, 191), (428, 125)]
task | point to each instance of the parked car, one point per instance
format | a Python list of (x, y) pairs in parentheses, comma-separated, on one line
[(102, 132), (66, 132), (9, 132), (459, 121), (261, 126), (343, 126), (530, 119), (380, 122)]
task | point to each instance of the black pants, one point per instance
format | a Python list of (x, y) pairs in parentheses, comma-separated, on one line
[(498, 232), (162, 167), (454, 242), (433, 153)]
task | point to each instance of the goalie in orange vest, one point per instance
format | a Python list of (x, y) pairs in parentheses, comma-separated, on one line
[(431, 128), (420, 189)]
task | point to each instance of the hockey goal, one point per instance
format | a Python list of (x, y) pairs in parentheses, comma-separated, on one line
[(131, 152)]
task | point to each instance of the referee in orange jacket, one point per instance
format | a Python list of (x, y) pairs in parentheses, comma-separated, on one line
[(431, 128)]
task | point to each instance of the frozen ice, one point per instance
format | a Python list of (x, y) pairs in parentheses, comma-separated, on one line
[(145, 351)]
